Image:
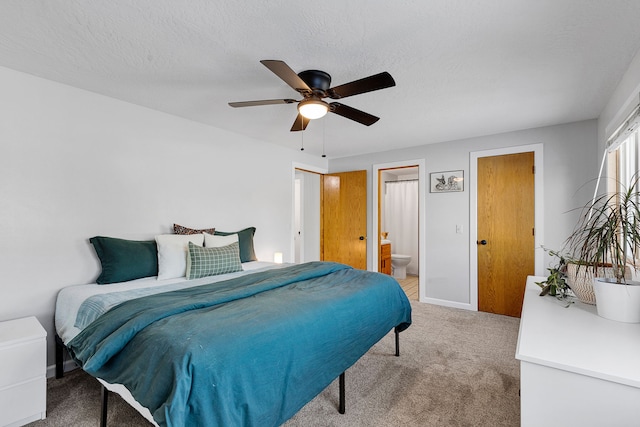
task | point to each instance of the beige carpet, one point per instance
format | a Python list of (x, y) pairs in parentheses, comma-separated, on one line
[(456, 368)]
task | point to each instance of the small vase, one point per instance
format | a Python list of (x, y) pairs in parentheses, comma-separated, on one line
[(615, 301)]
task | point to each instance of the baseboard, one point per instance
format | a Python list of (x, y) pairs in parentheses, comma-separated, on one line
[(447, 303), (68, 365)]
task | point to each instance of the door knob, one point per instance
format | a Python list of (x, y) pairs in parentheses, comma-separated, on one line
[(361, 238), (481, 242)]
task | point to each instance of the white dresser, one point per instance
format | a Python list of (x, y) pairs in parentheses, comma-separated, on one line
[(576, 368), (23, 369)]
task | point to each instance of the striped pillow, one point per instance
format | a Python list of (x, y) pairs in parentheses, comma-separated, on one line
[(203, 262)]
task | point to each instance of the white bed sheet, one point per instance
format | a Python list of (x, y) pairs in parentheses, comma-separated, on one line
[(71, 298)]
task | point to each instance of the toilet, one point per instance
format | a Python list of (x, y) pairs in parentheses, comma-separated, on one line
[(399, 264)]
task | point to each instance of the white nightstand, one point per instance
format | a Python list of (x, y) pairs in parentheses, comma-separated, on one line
[(23, 372)]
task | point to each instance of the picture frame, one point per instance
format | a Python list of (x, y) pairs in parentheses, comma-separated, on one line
[(446, 181)]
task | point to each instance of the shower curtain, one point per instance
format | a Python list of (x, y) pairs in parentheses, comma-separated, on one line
[(401, 219)]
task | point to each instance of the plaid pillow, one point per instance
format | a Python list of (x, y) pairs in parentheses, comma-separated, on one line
[(203, 262)]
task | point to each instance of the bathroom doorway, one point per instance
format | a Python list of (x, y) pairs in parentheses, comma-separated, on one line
[(398, 223)]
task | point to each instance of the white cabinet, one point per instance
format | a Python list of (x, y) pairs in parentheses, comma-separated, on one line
[(23, 372), (576, 368)]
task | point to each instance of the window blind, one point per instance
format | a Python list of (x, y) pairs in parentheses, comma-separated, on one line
[(628, 127)]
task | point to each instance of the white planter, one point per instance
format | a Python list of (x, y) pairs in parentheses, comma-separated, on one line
[(617, 302)]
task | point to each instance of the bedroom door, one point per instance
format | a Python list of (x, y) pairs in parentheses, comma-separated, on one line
[(343, 233), (505, 231)]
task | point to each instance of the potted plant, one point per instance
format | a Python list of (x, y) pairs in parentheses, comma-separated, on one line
[(608, 234), (580, 279), (555, 283)]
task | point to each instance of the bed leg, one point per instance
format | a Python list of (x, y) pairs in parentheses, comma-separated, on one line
[(341, 408), (59, 357), (105, 401), (397, 342)]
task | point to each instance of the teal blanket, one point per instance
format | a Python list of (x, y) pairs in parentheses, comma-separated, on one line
[(250, 351)]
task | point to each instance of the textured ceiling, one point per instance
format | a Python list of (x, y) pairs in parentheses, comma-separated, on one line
[(462, 68)]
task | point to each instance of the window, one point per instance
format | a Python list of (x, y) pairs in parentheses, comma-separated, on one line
[(624, 158), (624, 152), (627, 160)]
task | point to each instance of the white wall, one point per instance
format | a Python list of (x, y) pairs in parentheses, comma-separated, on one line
[(74, 164), (570, 162)]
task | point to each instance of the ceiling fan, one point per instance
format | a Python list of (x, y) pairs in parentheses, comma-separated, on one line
[(313, 85)]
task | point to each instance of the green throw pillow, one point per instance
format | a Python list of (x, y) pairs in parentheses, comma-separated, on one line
[(124, 260), (245, 238), (203, 262)]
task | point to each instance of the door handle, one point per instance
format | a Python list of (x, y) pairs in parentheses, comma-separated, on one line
[(481, 242), (361, 238)]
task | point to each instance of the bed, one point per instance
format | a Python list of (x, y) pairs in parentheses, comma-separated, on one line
[(250, 347)]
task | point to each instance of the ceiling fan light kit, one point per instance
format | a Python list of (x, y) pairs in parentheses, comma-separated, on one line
[(313, 108), (314, 85)]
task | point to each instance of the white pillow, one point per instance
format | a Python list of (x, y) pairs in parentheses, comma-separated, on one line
[(172, 253), (216, 241)]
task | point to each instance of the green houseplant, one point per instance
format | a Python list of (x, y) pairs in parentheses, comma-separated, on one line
[(608, 234), (555, 284)]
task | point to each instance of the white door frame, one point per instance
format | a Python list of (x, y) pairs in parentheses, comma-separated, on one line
[(373, 242), (473, 214), (310, 168)]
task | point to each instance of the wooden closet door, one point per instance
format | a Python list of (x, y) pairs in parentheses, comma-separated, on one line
[(344, 218), (505, 231)]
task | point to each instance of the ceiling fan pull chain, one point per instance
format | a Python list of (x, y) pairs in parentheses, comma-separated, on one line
[(301, 137), (324, 128)]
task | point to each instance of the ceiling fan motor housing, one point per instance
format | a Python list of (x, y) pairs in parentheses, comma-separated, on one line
[(316, 79)]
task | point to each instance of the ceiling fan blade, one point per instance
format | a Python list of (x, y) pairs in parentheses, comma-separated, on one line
[(300, 123), (353, 114), (282, 70), (263, 102), (367, 84)]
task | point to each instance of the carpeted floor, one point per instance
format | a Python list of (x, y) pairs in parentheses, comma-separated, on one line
[(456, 368)]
